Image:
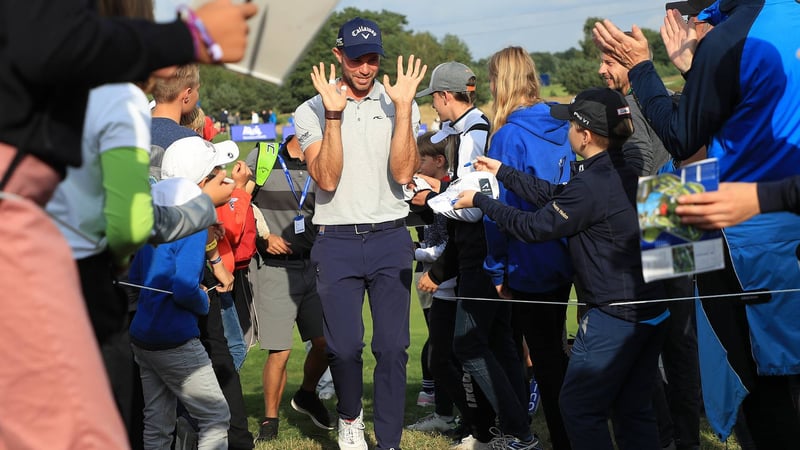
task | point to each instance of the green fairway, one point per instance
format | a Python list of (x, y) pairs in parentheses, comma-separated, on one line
[(297, 432)]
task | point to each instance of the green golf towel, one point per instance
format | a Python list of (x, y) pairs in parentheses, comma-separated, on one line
[(267, 154)]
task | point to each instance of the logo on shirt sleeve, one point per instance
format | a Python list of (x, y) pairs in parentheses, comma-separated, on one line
[(560, 211)]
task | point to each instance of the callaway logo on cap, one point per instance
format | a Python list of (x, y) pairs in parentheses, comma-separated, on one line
[(359, 37)]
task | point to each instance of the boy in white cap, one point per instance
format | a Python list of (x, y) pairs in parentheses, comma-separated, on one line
[(173, 363), (174, 97)]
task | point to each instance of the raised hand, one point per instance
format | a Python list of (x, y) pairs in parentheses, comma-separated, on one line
[(680, 40), (629, 51), (333, 93), (408, 79)]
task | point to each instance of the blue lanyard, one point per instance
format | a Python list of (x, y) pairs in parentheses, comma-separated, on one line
[(288, 176)]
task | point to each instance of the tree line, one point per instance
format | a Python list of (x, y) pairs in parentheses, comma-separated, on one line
[(574, 69)]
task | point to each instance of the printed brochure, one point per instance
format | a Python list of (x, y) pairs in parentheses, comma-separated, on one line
[(669, 248)]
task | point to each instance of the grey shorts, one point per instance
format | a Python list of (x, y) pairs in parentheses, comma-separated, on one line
[(285, 292)]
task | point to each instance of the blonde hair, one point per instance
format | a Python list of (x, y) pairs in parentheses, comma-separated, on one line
[(166, 90), (194, 120), (516, 83)]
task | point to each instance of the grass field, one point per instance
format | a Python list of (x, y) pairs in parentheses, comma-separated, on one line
[(296, 432)]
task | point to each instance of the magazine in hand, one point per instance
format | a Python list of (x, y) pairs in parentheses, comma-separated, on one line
[(669, 248)]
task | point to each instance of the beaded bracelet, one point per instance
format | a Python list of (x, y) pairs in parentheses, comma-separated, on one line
[(199, 32)]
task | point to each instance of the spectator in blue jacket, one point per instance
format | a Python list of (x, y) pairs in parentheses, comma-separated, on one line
[(741, 99), (616, 350), (528, 139)]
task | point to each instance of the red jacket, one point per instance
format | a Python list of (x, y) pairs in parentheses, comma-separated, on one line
[(239, 244)]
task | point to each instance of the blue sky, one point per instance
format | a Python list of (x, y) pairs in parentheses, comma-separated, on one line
[(489, 25), (541, 25)]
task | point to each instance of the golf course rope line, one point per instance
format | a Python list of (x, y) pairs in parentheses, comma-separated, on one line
[(575, 302)]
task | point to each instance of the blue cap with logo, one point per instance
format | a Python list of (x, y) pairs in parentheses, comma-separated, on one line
[(358, 37)]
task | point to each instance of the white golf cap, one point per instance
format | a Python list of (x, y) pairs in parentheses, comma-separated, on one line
[(194, 158)]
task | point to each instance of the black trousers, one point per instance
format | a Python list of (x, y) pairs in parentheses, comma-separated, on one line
[(484, 345), (677, 404), (212, 336), (107, 304), (543, 329), (424, 358), (243, 300), (475, 409)]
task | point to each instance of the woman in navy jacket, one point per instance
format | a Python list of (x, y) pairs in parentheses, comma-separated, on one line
[(617, 346)]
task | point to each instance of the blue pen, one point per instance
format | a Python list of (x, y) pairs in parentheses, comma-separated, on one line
[(469, 163)]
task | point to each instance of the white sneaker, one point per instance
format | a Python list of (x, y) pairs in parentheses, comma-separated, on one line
[(502, 441), (351, 434), (470, 443), (433, 422), (425, 399)]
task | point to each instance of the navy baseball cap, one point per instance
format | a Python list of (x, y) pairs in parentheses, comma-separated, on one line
[(358, 37), (599, 110)]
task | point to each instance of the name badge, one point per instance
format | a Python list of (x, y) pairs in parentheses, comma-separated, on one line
[(299, 224)]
